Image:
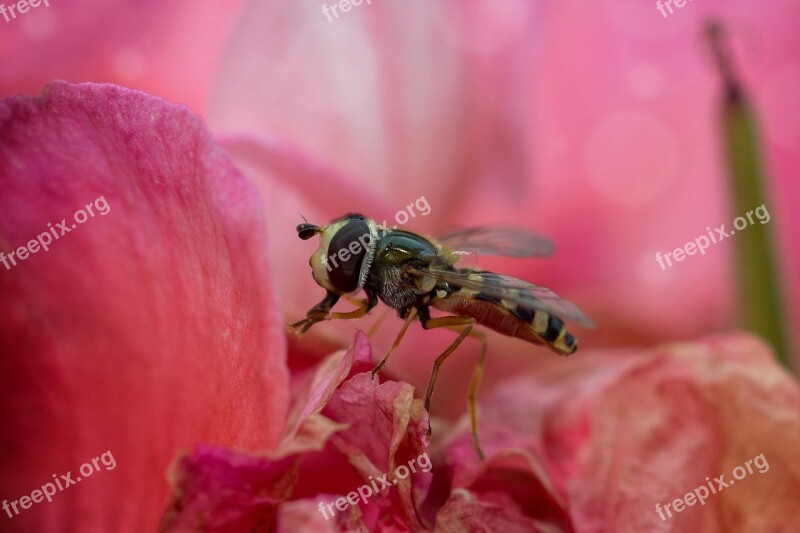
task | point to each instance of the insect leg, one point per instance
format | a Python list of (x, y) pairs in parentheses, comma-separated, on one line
[(445, 321), (412, 314), (316, 314), (367, 305), (321, 312), (477, 374)]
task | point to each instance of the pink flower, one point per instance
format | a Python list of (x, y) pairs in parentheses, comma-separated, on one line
[(618, 433), (149, 327), (160, 329), (566, 451)]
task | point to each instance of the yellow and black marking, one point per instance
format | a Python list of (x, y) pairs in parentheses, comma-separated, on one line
[(411, 273), (548, 328)]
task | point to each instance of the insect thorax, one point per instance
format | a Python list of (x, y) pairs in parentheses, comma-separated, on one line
[(389, 275)]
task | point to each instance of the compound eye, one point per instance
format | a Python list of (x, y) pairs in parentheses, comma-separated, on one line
[(346, 253)]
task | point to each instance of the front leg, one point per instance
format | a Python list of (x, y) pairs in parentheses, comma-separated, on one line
[(318, 313), (322, 311)]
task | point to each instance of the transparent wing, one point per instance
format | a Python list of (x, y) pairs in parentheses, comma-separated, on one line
[(525, 295), (498, 240)]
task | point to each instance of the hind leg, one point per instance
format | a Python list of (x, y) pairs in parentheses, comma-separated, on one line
[(454, 322)]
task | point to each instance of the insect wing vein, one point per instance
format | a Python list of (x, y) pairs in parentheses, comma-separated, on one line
[(498, 240), (523, 294)]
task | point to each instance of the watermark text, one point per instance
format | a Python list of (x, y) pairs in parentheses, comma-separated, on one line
[(701, 493), (48, 490), (668, 4), (368, 490), (702, 242), (44, 239), (20, 7), (343, 5), (355, 247)]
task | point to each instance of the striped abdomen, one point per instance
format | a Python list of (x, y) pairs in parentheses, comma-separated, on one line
[(508, 318)]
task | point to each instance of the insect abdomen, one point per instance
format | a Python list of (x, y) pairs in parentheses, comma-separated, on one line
[(535, 326), (553, 331)]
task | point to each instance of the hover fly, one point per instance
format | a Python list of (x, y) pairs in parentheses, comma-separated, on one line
[(411, 273)]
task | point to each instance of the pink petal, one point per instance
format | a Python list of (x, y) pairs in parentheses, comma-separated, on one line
[(142, 331), (325, 379), (619, 433), (304, 515), (366, 430), (224, 490), (217, 488), (513, 479), (697, 410), (464, 512), (387, 430)]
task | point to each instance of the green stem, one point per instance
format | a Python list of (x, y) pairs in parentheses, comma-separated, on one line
[(757, 271)]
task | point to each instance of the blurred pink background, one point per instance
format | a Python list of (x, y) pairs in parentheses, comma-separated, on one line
[(594, 123)]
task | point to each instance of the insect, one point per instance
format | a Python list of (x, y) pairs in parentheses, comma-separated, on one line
[(412, 274)]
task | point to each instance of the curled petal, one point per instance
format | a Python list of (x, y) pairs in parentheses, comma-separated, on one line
[(619, 433), (304, 515), (387, 431), (325, 379), (366, 431), (464, 512)]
